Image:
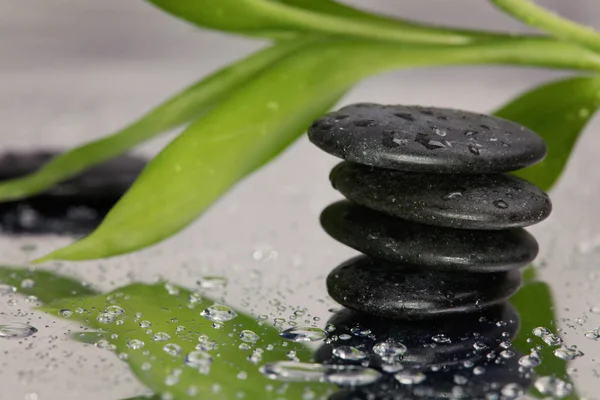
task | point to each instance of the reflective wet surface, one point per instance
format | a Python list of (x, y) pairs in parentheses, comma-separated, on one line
[(260, 251)]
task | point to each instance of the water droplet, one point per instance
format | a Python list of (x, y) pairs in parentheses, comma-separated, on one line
[(460, 379), (478, 370), (470, 133), (507, 354), (7, 289), (530, 361), (441, 338), (212, 282), (439, 132), (65, 312), (567, 353), (27, 283), (219, 313), (348, 353), (453, 195), (16, 330), (474, 150), (249, 336), (200, 360), (161, 337), (389, 351), (135, 344), (547, 336), (512, 391), (500, 204), (244, 346), (594, 335), (304, 334), (106, 318), (360, 331), (553, 386), (479, 346), (172, 349), (115, 310), (410, 377), (145, 324), (343, 375), (345, 336)]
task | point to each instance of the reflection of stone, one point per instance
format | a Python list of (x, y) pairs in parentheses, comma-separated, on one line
[(75, 206)]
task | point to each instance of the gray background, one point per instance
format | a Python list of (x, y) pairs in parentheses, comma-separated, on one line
[(73, 70)]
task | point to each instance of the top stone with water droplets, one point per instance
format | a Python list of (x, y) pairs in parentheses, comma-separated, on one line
[(426, 139)]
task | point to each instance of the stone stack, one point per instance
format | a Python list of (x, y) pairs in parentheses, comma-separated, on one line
[(431, 206), (440, 225)]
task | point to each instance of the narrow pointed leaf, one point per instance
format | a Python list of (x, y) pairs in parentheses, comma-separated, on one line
[(268, 18), (180, 109), (256, 123), (45, 285), (154, 328), (558, 111)]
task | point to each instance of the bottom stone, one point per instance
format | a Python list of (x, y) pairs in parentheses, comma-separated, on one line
[(403, 291)]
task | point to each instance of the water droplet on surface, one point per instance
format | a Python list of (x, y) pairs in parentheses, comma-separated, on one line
[(349, 353), (345, 336), (161, 337), (65, 312), (530, 361), (16, 330), (6, 289), (343, 375), (553, 386), (212, 282), (470, 133), (441, 338), (135, 344), (115, 310), (219, 313), (106, 318), (360, 331), (594, 335), (304, 334), (547, 336), (453, 195), (500, 204), (512, 391), (439, 132), (249, 336), (172, 349), (389, 351), (474, 150), (27, 283), (200, 360), (479, 346), (567, 353), (145, 324), (478, 370), (410, 377)]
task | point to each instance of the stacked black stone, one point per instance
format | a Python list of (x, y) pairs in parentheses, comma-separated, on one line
[(431, 206)]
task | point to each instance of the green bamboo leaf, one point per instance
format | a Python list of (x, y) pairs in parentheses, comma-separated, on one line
[(258, 121), (558, 111), (289, 17), (156, 343), (45, 285), (180, 109), (535, 306)]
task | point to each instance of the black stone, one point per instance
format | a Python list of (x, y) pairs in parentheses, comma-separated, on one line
[(426, 139), (430, 247), (433, 342), (75, 206), (403, 291), (496, 201)]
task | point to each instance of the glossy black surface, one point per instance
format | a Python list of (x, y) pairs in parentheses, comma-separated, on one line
[(431, 247), (435, 342), (426, 139), (75, 206), (498, 201), (400, 291)]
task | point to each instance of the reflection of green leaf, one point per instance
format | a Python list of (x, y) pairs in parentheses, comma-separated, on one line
[(536, 309), (282, 18), (47, 286), (176, 311), (558, 111), (180, 109), (262, 118)]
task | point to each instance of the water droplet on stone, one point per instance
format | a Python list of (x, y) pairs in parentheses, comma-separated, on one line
[(348, 353), (360, 331), (343, 375), (500, 204), (474, 150), (304, 334), (389, 350), (345, 336), (441, 338), (161, 337), (16, 330), (453, 195), (512, 391), (219, 313), (410, 377), (172, 349), (594, 335)]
